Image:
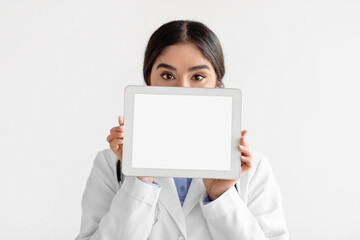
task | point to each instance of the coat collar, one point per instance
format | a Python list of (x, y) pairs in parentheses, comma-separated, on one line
[(170, 199)]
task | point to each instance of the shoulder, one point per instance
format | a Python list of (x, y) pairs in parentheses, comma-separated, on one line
[(106, 160), (259, 180), (108, 155), (260, 165), (259, 159)]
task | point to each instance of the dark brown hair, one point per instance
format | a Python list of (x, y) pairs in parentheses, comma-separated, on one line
[(185, 31)]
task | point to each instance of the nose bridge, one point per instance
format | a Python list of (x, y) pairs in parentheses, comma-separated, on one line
[(183, 81)]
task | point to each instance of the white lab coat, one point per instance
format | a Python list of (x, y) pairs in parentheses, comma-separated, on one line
[(111, 211)]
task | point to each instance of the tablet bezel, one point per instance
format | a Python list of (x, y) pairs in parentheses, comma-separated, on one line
[(129, 94)]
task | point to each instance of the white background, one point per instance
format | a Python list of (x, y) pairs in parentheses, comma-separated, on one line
[(64, 66)]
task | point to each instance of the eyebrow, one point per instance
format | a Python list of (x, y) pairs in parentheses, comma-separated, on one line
[(198, 67), (166, 66), (190, 69)]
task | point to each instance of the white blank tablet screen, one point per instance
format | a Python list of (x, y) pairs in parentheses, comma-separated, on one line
[(182, 132)]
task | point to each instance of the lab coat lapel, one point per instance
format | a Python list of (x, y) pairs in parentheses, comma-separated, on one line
[(169, 198), (193, 195)]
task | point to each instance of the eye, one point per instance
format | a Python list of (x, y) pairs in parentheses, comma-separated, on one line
[(167, 76), (198, 77)]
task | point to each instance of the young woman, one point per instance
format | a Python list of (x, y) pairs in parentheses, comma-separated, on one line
[(182, 54)]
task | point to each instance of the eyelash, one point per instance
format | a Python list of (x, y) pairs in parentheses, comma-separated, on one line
[(202, 76)]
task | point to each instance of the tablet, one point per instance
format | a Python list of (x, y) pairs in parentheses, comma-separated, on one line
[(182, 132)]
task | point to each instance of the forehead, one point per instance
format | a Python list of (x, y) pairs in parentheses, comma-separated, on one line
[(185, 54)]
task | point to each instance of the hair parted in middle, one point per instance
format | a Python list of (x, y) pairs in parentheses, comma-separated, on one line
[(185, 31)]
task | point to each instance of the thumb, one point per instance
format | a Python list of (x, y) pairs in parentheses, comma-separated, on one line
[(121, 120), (242, 139), (243, 133)]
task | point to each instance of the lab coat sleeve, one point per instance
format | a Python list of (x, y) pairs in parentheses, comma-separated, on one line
[(153, 183), (106, 214), (228, 217)]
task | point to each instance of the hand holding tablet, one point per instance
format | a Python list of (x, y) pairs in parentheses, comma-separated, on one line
[(182, 132), (116, 140)]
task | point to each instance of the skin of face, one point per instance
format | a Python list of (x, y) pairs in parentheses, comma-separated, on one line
[(182, 65)]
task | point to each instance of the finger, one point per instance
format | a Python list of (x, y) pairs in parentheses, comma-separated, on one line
[(120, 135), (117, 129), (244, 150), (115, 144), (110, 138), (245, 159), (243, 133), (245, 168), (245, 145), (121, 120), (246, 165), (115, 135), (242, 139)]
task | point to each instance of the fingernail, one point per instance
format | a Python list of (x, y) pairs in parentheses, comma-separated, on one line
[(241, 146)]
